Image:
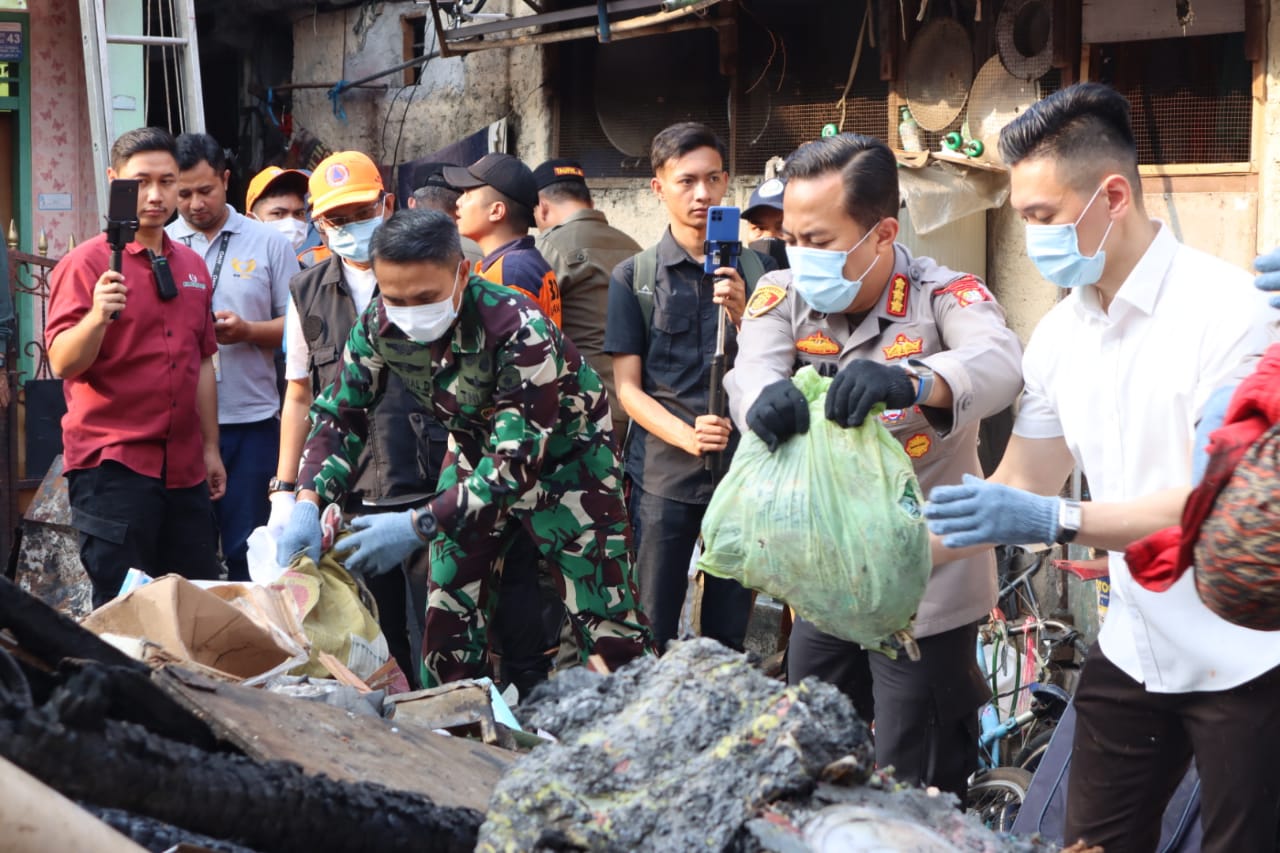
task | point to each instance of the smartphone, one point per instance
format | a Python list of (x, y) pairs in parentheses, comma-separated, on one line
[(722, 237), (123, 204)]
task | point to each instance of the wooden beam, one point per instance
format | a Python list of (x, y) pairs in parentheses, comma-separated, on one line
[(1105, 21)]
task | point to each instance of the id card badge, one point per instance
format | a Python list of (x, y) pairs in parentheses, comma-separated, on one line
[(217, 367)]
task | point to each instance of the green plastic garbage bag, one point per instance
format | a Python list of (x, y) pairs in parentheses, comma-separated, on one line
[(829, 524)]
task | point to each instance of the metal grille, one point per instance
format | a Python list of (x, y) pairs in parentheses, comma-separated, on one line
[(792, 77), (1190, 98)]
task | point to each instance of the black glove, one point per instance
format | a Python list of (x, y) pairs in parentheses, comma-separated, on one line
[(861, 385), (778, 413)]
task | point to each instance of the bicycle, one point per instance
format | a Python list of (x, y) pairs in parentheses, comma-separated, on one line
[(1032, 665)]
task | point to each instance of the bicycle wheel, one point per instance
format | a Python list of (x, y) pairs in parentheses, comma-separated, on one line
[(996, 795), (1028, 758)]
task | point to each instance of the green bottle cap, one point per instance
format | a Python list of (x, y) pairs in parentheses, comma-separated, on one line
[(830, 129)]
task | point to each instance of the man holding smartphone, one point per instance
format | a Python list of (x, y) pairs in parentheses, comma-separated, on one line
[(135, 351), (661, 331)]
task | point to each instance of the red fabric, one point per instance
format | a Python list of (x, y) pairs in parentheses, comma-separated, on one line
[(1254, 407), (136, 404)]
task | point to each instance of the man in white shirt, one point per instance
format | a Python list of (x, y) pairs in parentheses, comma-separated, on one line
[(250, 264), (1117, 375)]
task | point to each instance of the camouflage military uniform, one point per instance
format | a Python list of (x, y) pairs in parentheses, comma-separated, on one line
[(530, 442)]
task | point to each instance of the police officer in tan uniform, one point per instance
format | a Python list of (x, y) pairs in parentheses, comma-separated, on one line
[(932, 345)]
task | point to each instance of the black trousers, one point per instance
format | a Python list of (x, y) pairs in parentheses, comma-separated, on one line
[(127, 520), (925, 711), (1132, 747), (665, 532), (526, 622)]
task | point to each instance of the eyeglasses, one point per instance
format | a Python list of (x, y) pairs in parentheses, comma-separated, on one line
[(369, 211)]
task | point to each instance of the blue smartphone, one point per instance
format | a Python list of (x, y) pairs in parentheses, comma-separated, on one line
[(722, 236)]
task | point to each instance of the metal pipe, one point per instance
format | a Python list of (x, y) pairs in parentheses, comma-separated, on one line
[(148, 41)]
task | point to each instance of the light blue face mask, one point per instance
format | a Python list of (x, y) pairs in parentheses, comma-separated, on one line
[(818, 276), (1055, 250), (352, 241)]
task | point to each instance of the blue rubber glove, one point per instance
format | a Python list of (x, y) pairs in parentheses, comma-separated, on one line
[(1215, 412), (380, 542), (1269, 267), (301, 534), (977, 512)]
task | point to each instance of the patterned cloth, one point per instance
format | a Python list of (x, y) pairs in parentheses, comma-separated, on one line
[(531, 444), (1228, 526)]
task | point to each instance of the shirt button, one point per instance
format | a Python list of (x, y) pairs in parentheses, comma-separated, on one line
[(169, 334)]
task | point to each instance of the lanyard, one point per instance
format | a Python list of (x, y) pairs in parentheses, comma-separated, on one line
[(222, 255)]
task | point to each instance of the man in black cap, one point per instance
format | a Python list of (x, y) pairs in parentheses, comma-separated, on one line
[(583, 248), (496, 210), (436, 194), (764, 221)]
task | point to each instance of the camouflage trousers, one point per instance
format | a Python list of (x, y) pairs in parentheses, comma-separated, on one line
[(577, 518)]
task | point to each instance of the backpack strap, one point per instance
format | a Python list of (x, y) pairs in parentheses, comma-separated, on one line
[(644, 279), (752, 268)]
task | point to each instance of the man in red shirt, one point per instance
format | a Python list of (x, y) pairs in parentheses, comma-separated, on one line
[(140, 437)]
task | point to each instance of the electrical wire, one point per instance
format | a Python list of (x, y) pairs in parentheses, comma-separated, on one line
[(427, 54), (843, 103)]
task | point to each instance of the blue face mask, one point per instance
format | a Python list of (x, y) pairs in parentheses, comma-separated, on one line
[(1055, 250), (818, 276), (352, 241)]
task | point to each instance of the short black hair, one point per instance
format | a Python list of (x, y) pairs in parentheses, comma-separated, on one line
[(409, 236), (434, 197), (567, 191), (679, 139), (1084, 127), (139, 141), (194, 147), (868, 172), (519, 216)]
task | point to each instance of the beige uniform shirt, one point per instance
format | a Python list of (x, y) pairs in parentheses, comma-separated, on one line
[(583, 250), (928, 314)]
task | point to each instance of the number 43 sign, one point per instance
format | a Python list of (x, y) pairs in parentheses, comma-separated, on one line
[(10, 41)]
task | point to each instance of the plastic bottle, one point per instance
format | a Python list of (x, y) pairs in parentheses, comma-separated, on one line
[(909, 132)]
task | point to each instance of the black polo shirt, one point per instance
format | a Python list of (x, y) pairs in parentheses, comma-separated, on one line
[(676, 356)]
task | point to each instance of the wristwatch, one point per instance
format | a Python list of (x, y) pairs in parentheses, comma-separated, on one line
[(275, 484), (424, 524), (923, 374), (1069, 518)]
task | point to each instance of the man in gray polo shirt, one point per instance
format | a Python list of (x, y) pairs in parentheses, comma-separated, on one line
[(250, 264)]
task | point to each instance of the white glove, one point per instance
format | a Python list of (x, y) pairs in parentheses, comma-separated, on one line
[(281, 508)]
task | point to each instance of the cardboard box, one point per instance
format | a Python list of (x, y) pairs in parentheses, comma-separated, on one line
[(195, 627)]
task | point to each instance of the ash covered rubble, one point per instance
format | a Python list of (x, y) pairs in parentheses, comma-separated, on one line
[(698, 750)]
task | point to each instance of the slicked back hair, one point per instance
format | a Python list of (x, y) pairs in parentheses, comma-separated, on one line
[(413, 235), (566, 191), (194, 147), (868, 172), (140, 141), (674, 142), (1084, 128)]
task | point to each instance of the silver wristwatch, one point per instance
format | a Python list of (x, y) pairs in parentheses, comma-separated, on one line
[(1069, 518)]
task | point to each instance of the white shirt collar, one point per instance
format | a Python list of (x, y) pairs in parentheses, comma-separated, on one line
[(1141, 289)]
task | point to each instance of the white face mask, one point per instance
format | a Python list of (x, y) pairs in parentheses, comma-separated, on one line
[(425, 323), (294, 229)]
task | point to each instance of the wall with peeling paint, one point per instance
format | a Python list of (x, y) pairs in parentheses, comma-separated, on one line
[(395, 123)]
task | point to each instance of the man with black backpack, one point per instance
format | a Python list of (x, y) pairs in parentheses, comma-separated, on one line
[(661, 331)]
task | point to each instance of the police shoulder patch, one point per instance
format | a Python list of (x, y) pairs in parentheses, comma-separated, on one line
[(967, 290), (765, 298)]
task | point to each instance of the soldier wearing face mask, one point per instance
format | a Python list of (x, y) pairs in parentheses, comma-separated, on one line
[(531, 451), (930, 344), (401, 458)]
